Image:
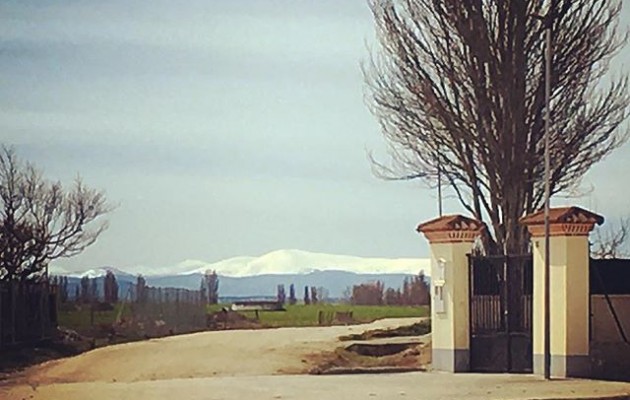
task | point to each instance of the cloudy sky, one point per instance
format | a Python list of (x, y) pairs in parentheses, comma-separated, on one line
[(219, 128)]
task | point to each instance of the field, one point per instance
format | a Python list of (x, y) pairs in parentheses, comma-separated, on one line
[(301, 315), (80, 320)]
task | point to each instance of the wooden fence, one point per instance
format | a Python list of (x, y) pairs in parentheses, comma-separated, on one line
[(171, 309), (28, 312)]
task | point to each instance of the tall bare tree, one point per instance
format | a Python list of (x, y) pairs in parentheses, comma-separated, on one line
[(110, 288), (458, 87), (212, 283), (40, 220)]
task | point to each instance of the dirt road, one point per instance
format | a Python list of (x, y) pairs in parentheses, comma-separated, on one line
[(201, 355), (242, 364)]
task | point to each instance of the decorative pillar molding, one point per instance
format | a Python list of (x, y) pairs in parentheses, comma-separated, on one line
[(569, 228), (450, 239)]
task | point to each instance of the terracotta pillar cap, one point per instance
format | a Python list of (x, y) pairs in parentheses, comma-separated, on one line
[(451, 229), (563, 221)]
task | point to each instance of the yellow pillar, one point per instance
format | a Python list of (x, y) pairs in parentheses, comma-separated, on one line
[(569, 289), (450, 239)]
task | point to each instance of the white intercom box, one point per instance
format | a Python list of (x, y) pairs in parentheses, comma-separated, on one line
[(438, 281)]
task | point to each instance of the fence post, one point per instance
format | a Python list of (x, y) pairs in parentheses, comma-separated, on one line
[(13, 305), (40, 293)]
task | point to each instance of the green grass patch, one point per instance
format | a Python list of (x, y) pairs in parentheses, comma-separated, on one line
[(79, 318), (308, 315)]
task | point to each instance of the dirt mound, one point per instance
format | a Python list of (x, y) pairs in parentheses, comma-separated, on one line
[(227, 319), (377, 357), (417, 329)]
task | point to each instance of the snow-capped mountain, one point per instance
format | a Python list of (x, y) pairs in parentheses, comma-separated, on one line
[(279, 262), (90, 273), (259, 276), (302, 262)]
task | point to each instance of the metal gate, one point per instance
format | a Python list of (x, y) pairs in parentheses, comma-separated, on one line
[(501, 313)]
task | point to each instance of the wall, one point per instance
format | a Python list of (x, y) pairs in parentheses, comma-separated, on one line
[(603, 326), (610, 356)]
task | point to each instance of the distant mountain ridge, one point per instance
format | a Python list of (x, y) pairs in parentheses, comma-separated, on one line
[(260, 276), (279, 262)]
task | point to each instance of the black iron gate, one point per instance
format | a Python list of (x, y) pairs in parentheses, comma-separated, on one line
[(501, 313)]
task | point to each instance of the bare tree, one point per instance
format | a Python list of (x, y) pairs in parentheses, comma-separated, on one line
[(314, 293), (141, 290), (281, 294), (85, 289), (611, 241), (203, 294), (323, 294), (110, 288), (212, 283), (40, 221), (292, 299), (458, 87), (307, 297), (93, 290), (368, 293), (392, 297)]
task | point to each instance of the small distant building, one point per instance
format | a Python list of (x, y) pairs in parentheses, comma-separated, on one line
[(257, 305)]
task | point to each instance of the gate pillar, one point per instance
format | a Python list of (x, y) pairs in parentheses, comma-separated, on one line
[(451, 239), (569, 228)]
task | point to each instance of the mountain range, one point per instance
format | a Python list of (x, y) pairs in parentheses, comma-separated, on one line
[(259, 276)]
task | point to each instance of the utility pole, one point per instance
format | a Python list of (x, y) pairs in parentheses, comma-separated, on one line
[(439, 185), (547, 21), (547, 350)]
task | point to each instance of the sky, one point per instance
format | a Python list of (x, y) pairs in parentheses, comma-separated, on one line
[(220, 128)]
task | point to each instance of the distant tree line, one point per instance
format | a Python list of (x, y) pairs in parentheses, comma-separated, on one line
[(87, 290), (312, 295), (415, 292)]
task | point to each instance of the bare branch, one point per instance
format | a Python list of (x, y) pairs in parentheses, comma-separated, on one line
[(460, 85), (612, 241), (41, 221)]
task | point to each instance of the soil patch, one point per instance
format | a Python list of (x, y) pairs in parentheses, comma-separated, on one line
[(379, 350), (417, 329), (363, 358)]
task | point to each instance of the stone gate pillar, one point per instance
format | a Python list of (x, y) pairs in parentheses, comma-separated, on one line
[(451, 239), (569, 228)]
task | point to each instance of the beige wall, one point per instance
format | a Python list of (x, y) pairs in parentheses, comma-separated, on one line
[(453, 324), (603, 326)]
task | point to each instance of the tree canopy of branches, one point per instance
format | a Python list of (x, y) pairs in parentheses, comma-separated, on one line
[(612, 241), (458, 88), (40, 220)]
